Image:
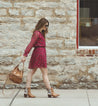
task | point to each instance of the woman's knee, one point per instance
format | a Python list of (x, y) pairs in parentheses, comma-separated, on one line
[(33, 70), (44, 71)]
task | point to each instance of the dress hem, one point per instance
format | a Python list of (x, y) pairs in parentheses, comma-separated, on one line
[(37, 67)]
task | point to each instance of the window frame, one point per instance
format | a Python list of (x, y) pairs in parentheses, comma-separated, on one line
[(77, 37)]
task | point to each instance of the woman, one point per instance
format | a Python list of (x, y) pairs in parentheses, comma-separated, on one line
[(38, 58)]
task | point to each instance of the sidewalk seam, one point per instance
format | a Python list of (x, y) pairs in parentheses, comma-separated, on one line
[(88, 98)]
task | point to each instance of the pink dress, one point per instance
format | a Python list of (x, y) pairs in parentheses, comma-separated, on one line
[(38, 57)]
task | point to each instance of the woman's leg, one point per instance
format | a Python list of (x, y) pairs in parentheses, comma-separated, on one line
[(27, 91), (29, 77), (47, 83), (45, 77)]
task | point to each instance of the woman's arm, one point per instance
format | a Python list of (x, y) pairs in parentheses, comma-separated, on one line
[(31, 44)]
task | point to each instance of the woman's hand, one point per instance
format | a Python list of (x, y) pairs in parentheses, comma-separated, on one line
[(23, 59)]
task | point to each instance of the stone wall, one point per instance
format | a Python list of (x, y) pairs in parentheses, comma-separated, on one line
[(66, 69)]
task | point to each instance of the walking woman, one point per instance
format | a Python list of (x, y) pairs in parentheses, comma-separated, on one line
[(38, 58)]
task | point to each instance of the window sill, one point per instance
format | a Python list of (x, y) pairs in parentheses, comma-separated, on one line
[(88, 47)]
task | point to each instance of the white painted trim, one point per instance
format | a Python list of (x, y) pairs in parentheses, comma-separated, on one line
[(88, 47)]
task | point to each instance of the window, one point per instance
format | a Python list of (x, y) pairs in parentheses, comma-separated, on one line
[(87, 25)]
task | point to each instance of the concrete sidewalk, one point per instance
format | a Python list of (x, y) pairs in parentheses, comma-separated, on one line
[(76, 97)]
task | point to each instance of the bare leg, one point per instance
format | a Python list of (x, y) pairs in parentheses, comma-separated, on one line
[(45, 77), (47, 83), (29, 77)]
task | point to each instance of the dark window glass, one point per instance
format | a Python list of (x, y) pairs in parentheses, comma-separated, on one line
[(88, 23)]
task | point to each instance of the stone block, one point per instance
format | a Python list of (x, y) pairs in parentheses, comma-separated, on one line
[(14, 12), (43, 13), (51, 52), (5, 4), (60, 12), (3, 12), (67, 52), (56, 44), (27, 12)]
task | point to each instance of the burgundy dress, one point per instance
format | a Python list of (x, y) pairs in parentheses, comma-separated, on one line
[(38, 57)]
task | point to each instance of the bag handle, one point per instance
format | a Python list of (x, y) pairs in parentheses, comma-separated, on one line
[(23, 65), (8, 76), (19, 64)]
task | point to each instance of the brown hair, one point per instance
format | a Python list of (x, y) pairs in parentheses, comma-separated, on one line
[(40, 24)]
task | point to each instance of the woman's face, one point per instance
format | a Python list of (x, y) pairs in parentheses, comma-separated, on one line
[(45, 27)]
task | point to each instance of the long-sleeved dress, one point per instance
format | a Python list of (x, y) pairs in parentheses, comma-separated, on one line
[(38, 57)]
